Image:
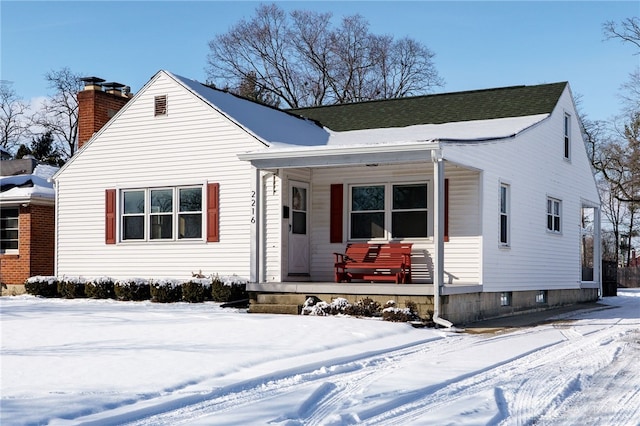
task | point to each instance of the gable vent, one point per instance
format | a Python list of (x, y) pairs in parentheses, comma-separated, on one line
[(160, 105)]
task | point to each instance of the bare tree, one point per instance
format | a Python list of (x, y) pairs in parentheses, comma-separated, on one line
[(628, 31), (59, 113), (13, 120), (299, 59)]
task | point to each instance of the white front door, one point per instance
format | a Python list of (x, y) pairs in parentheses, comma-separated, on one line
[(299, 228)]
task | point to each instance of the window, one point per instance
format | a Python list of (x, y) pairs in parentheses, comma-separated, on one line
[(504, 214), (409, 211), (388, 211), (541, 296), (367, 212), (9, 229), (505, 298), (553, 215), (567, 139), (160, 105), (162, 214)]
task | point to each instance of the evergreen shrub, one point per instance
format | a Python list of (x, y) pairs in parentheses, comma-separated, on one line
[(71, 287), (135, 289), (100, 288), (166, 291), (228, 289), (43, 286), (196, 290)]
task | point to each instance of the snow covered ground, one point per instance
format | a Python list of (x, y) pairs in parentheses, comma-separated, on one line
[(104, 362)]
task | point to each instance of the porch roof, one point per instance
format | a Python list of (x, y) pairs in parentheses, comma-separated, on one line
[(388, 145)]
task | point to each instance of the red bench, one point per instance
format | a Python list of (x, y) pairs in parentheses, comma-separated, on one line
[(374, 262)]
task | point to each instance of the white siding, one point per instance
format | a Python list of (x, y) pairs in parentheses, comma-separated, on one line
[(191, 145), (533, 165)]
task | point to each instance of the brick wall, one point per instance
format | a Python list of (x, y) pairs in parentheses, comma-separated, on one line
[(36, 227), (95, 108)]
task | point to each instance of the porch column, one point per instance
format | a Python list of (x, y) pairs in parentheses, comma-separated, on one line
[(256, 219), (438, 235), (438, 219)]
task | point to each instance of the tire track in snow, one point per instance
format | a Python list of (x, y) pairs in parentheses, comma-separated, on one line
[(173, 409), (529, 371)]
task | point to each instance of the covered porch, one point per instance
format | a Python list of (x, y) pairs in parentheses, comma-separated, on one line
[(293, 243)]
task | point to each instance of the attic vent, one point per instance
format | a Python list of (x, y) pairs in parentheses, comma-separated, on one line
[(160, 105)]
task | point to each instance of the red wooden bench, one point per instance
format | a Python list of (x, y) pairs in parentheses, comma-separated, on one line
[(374, 262)]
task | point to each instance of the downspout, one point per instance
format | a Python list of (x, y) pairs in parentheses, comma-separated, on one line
[(438, 221)]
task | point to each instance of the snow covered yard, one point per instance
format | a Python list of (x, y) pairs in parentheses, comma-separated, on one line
[(104, 362)]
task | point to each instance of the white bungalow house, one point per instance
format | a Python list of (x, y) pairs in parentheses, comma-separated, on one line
[(492, 187)]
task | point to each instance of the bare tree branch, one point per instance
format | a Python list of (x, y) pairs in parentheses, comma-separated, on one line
[(301, 60)]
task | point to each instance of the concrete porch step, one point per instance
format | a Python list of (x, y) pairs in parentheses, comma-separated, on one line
[(274, 308)]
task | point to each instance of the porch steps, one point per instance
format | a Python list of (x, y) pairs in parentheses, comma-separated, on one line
[(290, 304)]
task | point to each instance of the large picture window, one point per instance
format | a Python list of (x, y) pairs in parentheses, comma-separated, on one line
[(162, 214), (9, 229), (389, 211)]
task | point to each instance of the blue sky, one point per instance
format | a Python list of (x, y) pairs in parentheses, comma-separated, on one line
[(478, 44)]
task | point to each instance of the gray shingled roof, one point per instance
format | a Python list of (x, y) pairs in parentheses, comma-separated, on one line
[(514, 101)]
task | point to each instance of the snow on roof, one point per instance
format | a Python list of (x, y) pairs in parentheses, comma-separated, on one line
[(477, 130), (269, 124), (29, 186)]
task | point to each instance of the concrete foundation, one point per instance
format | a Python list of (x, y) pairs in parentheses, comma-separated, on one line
[(459, 308)]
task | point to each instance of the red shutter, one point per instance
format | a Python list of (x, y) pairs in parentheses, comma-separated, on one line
[(213, 212), (446, 210), (110, 216), (336, 213)]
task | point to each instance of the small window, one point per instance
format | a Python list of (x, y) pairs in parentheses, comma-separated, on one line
[(541, 297), (504, 214), (160, 105), (554, 212), (133, 215), (409, 211), (190, 214), (9, 230), (161, 214), (567, 138), (367, 212), (505, 298)]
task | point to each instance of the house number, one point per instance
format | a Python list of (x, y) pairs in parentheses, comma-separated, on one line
[(253, 206)]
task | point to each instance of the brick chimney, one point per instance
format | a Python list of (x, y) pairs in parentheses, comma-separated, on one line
[(96, 106)]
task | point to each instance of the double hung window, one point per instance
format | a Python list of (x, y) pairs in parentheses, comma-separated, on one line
[(388, 211), (162, 214), (554, 211), (504, 214)]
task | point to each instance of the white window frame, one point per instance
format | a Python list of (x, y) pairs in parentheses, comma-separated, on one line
[(17, 219), (388, 209), (555, 216), (567, 136), (504, 212), (175, 214)]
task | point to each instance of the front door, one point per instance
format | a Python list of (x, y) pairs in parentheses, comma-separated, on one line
[(299, 229)]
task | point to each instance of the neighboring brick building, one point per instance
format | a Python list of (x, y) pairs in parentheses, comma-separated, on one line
[(27, 222), (27, 196)]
